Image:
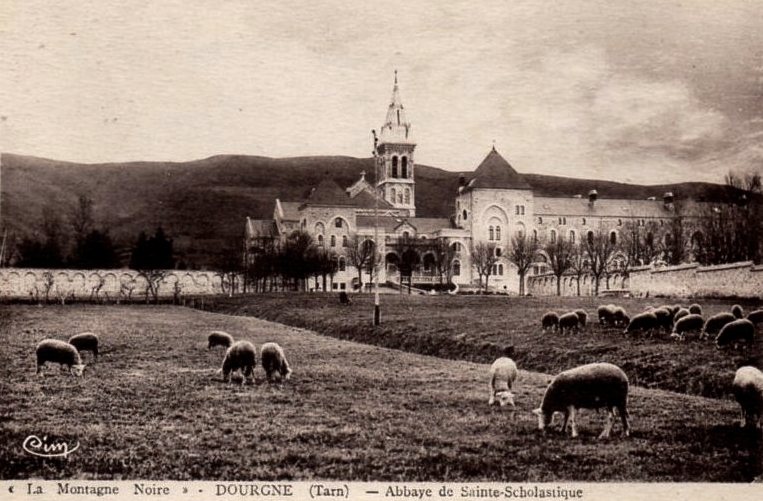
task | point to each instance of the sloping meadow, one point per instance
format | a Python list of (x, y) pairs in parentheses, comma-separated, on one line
[(153, 407)]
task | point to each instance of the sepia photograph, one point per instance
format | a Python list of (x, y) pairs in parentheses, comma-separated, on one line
[(393, 249)]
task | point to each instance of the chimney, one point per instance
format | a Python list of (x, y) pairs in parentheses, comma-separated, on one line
[(667, 200), (362, 175), (461, 180), (592, 195)]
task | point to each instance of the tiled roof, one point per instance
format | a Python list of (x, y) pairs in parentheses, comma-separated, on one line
[(495, 172), (429, 224), (328, 193), (260, 227), (426, 225), (611, 207), (388, 223), (290, 211)]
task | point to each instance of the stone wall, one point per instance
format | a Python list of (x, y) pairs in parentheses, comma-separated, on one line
[(736, 279), (104, 284)]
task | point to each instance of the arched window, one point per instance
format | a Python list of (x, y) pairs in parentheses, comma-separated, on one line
[(406, 234), (407, 196), (498, 252), (320, 240), (319, 228), (456, 247), (394, 195), (668, 239), (540, 220), (338, 222), (583, 221), (535, 235), (498, 233), (590, 238), (619, 222), (456, 268), (464, 214), (344, 240), (342, 264), (404, 162), (613, 238), (491, 233), (572, 236), (553, 236), (428, 263), (394, 166), (333, 240), (400, 197), (649, 239)]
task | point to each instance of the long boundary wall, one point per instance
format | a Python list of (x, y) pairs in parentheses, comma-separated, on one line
[(742, 279), (104, 284)]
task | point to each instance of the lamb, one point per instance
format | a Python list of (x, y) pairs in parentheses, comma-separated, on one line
[(219, 338), (274, 361), (688, 323), (621, 318), (715, 323), (503, 373), (741, 330), (582, 317), (59, 352), (748, 391), (550, 320), (86, 341), (737, 311), (682, 312), (242, 356), (568, 321), (756, 317), (590, 386), (696, 309), (643, 322)]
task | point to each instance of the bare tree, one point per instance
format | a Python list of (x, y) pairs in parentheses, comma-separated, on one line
[(578, 263), (599, 249), (361, 254), (443, 253), (483, 259), (154, 279), (559, 254), (523, 253)]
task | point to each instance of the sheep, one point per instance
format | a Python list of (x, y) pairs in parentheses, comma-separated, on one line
[(59, 352), (748, 391), (756, 317), (688, 323), (674, 309), (714, 324), (682, 312), (664, 318), (568, 321), (644, 322), (735, 332), (219, 338), (582, 317), (590, 386), (503, 373), (550, 320), (605, 314), (86, 341), (242, 355), (696, 309), (621, 318), (274, 361), (737, 311)]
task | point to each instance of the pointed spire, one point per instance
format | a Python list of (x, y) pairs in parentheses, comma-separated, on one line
[(396, 128)]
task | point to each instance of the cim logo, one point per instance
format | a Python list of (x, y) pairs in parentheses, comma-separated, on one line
[(47, 448)]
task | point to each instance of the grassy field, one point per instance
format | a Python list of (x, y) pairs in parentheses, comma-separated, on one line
[(153, 408), (478, 328)]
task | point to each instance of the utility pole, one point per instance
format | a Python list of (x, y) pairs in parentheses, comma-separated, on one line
[(377, 309)]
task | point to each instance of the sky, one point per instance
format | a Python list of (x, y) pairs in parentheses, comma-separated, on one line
[(644, 92)]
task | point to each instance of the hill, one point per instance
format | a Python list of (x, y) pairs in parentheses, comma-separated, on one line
[(202, 204)]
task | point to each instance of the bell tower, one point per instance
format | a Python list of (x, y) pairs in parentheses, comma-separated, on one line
[(396, 182)]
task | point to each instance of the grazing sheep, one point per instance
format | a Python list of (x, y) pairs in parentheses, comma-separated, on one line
[(664, 318), (242, 356), (715, 323), (737, 311), (748, 391), (741, 330), (503, 373), (606, 313), (550, 320), (86, 341), (695, 309), (689, 323), (274, 361), (568, 321), (59, 352), (621, 318), (643, 322), (674, 309), (682, 312), (590, 386), (756, 317), (219, 338), (582, 317)]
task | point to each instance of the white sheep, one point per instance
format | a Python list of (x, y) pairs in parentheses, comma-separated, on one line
[(86, 341), (733, 333), (242, 356), (714, 324), (219, 338), (590, 386), (59, 352), (549, 320), (503, 373), (644, 322), (748, 391), (274, 361), (569, 321), (688, 323)]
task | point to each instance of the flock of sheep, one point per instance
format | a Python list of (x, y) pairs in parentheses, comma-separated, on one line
[(239, 355), (729, 328)]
